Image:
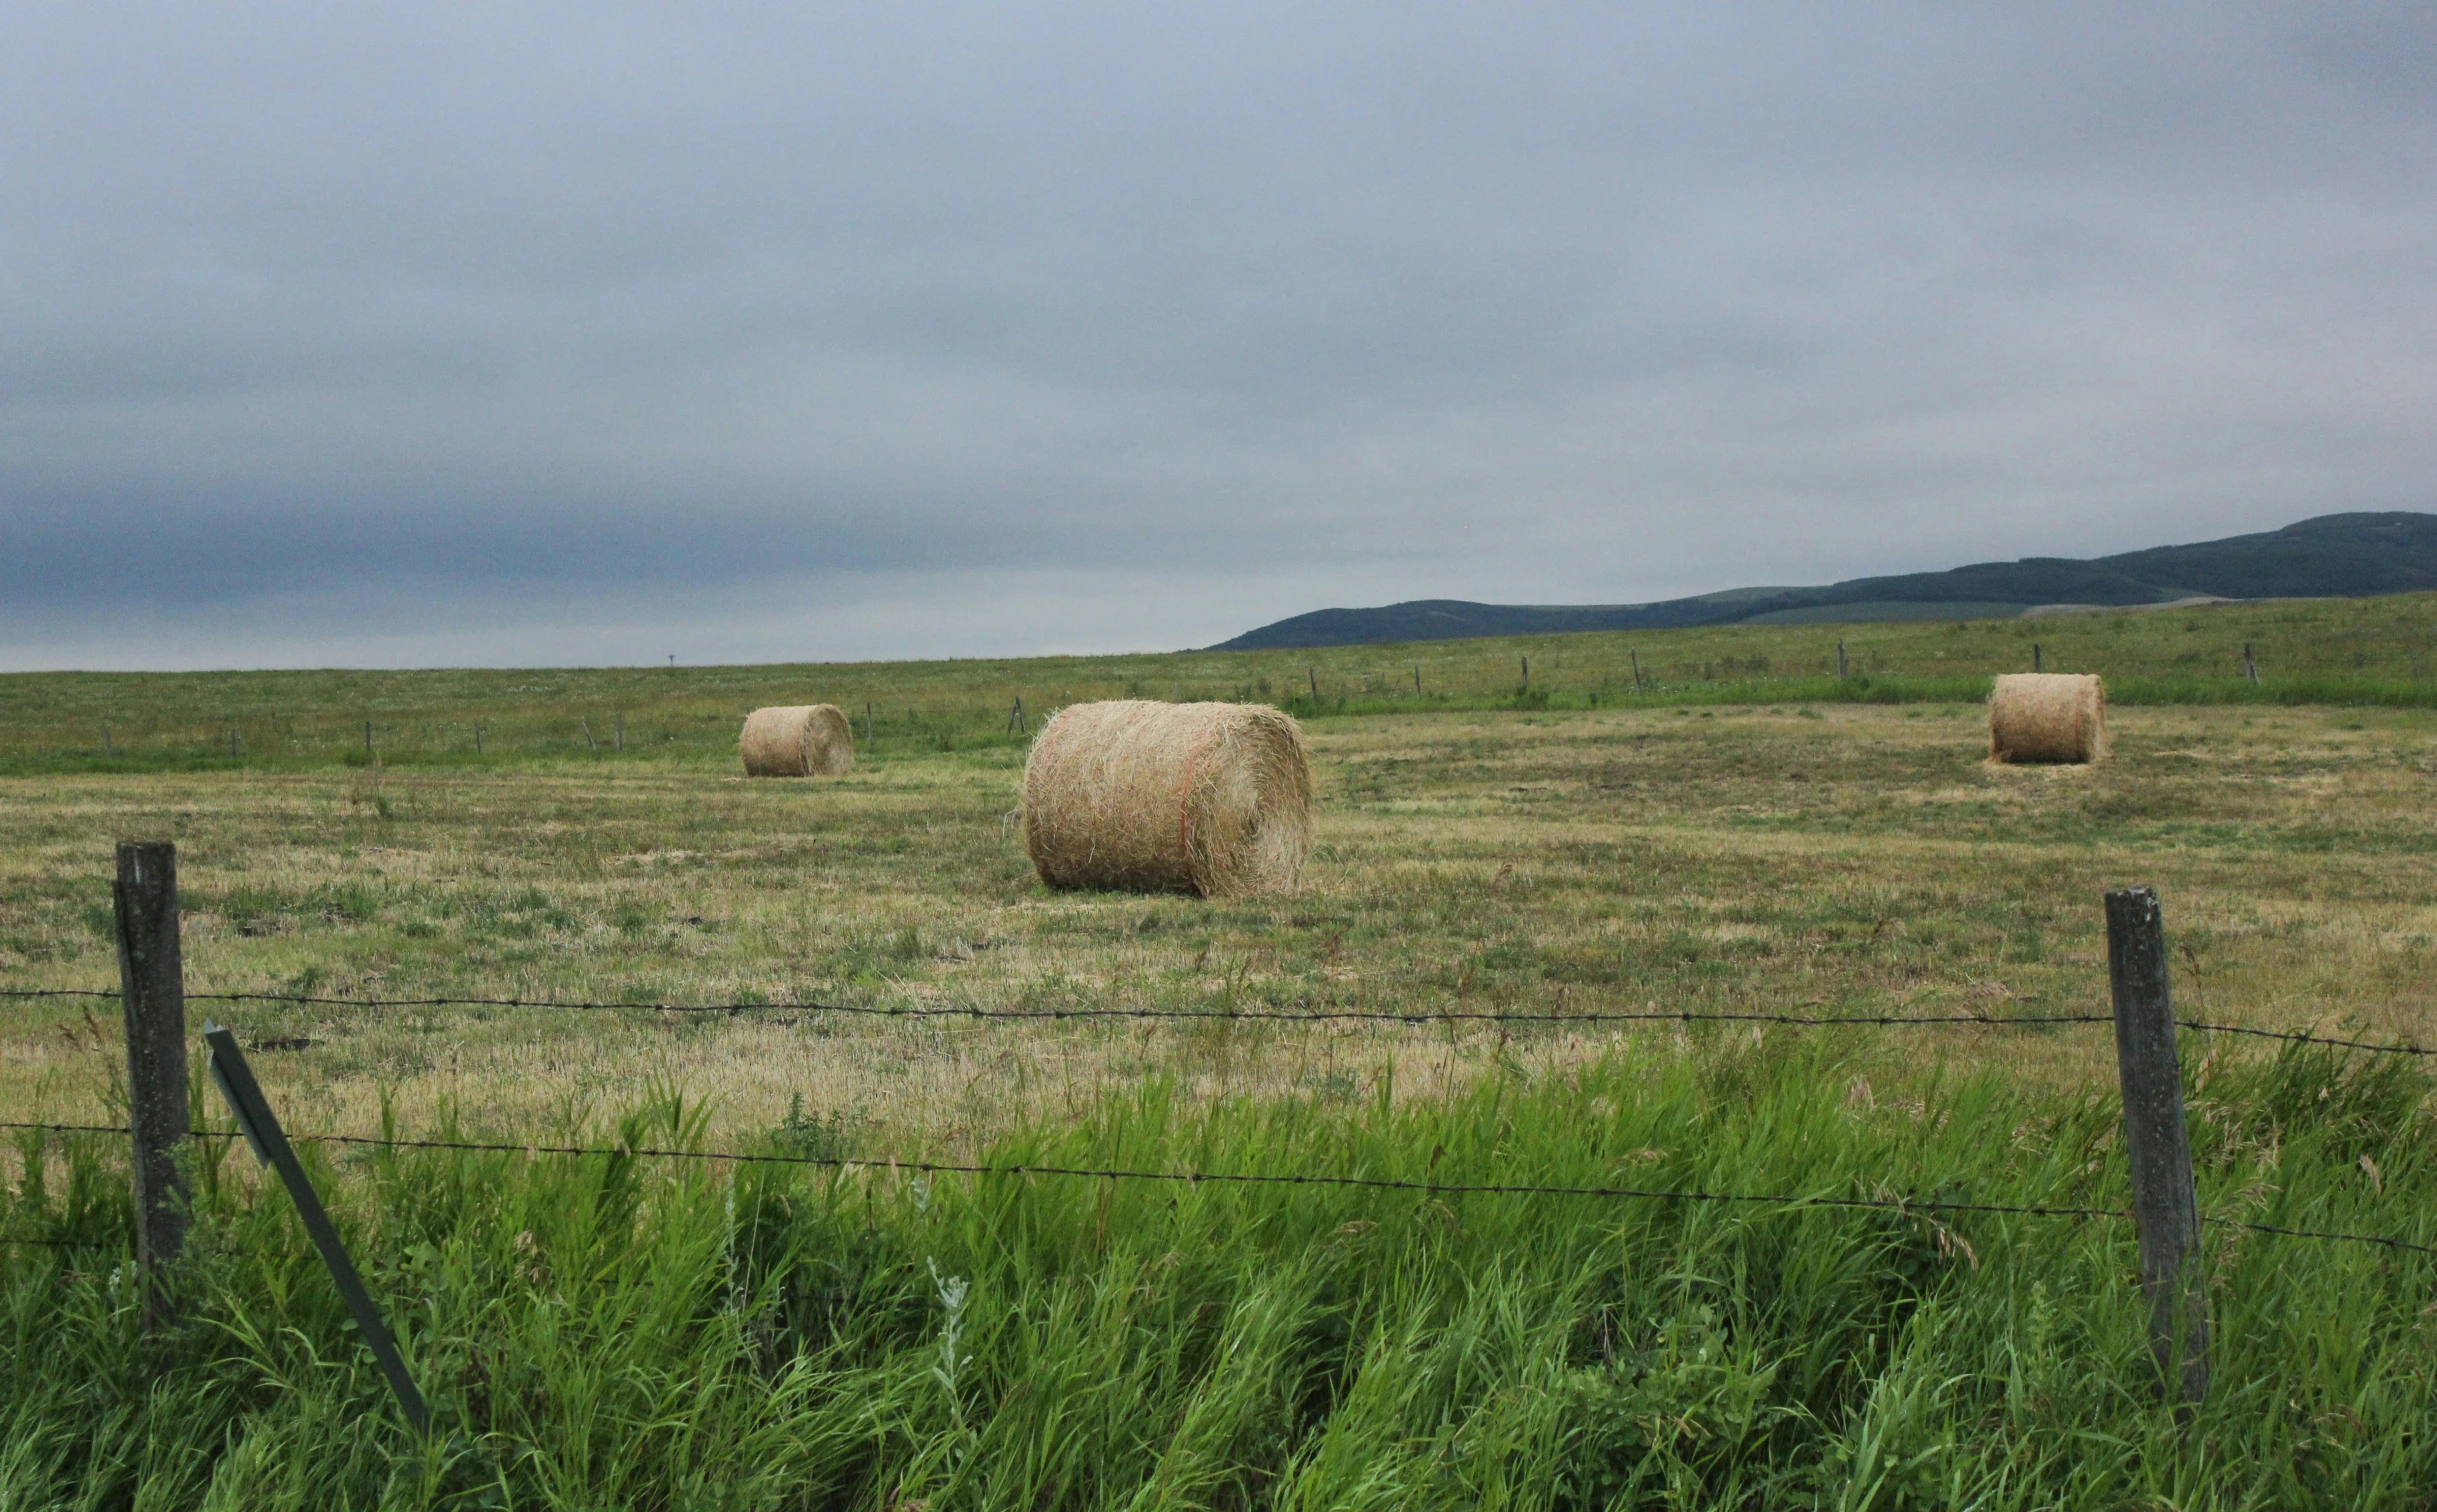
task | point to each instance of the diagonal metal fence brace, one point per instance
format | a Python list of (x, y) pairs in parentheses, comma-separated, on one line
[(270, 1144)]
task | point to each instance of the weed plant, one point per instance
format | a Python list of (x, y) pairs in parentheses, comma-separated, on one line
[(605, 1331)]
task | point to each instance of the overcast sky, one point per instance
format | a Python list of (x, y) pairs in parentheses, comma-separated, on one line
[(494, 333)]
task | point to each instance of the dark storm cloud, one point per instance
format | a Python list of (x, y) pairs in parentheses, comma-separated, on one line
[(1578, 303)]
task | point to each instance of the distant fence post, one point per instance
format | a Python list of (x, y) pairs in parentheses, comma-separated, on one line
[(1527, 671), (1015, 718), (477, 737), (1417, 679), (2250, 668), (1637, 667), (107, 748), (621, 730), (1840, 661), (1314, 674), (152, 989), (2165, 1200), (2034, 656)]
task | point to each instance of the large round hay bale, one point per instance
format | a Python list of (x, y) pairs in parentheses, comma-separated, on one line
[(799, 740), (1208, 798), (2048, 716)]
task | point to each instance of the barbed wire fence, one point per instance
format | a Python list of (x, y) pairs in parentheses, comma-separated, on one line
[(1407, 1018), (2165, 1211)]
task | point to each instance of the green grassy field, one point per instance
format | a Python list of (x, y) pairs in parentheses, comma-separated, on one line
[(2316, 651), (605, 1331)]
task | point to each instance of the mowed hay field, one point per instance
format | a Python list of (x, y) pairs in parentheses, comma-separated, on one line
[(1844, 860), (606, 1330)]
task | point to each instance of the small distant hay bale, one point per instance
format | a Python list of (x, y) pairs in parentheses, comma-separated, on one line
[(1208, 798), (799, 740), (2048, 717)]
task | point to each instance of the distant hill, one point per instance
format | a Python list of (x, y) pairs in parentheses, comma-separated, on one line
[(2333, 556)]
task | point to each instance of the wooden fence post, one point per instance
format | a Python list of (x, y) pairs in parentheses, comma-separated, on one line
[(1637, 668), (1840, 661), (2250, 668), (2165, 1200), (2034, 656), (1314, 674), (1527, 671), (153, 991), (1417, 679), (621, 729)]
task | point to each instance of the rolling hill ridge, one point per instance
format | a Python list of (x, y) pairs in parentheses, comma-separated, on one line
[(2331, 556)]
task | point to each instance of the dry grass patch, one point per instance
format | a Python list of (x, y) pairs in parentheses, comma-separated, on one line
[(1865, 861)]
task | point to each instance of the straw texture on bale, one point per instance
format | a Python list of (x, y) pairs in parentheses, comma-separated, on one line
[(1208, 798), (801, 740), (2048, 716)]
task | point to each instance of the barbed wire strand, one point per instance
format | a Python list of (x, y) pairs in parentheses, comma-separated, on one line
[(1195, 1178), (1190, 1015), (1262, 1015), (2300, 1037)]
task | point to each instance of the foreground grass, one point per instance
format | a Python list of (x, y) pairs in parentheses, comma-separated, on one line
[(605, 1332)]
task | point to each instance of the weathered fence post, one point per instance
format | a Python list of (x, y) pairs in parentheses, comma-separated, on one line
[(1527, 671), (1637, 667), (1417, 679), (2034, 656), (367, 737), (1840, 661), (621, 730), (2250, 668), (153, 990), (2165, 1200)]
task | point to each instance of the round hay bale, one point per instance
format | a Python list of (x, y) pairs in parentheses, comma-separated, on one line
[(2048, 716), (798, 740), (1207, 798)]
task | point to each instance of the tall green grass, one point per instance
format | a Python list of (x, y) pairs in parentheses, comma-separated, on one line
[(611, 1332)]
